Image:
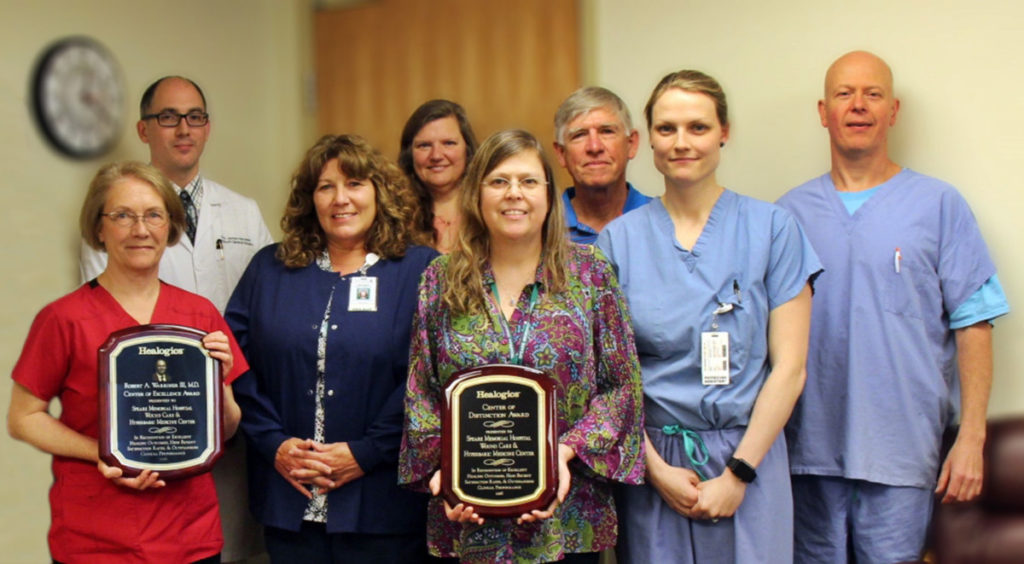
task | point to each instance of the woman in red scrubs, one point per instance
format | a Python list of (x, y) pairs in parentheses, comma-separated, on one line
[(132, 212)]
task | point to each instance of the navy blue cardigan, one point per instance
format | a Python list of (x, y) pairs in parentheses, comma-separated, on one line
[(275, 314)]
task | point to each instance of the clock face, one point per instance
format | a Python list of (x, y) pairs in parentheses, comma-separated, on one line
[(78, 97)]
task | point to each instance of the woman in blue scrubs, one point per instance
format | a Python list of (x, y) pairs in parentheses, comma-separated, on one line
[(719, 286)]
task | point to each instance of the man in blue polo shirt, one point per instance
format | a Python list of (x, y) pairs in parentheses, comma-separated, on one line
[(594, 141)]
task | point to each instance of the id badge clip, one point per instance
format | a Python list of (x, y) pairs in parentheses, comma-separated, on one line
[(362, 293), (714, 348)]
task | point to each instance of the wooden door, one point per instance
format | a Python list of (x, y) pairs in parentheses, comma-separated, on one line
[(509, 63)]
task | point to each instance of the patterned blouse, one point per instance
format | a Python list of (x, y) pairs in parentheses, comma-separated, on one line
[(316, 511), (583, 339)]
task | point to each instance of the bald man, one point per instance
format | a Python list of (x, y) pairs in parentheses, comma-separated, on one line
[(900, 337)]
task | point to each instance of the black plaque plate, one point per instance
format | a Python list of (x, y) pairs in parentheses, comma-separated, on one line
[(160, 401), (498, 450)]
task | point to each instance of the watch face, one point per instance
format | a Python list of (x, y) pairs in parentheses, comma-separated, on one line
[(78, 97), (742, 469)]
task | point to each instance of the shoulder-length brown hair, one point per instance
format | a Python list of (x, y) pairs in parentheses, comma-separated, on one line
[(389, 234), (427, 112), (464, 291)]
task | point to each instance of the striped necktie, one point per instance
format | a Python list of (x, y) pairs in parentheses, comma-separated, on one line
[(190, 215)]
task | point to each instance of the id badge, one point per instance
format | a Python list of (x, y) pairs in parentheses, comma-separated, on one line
[(714, 370), (362, 294)]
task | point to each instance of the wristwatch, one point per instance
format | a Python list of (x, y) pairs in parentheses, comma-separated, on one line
[(743, 470)]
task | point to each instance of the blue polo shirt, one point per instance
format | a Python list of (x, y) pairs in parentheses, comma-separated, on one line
[(582, 233)]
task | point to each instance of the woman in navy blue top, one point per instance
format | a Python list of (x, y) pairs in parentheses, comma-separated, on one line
[(324, 319)]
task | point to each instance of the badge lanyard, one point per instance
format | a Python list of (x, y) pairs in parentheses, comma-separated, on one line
[(517, 355)]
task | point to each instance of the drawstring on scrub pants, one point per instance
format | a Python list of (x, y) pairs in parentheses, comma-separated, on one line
[(696, 450)]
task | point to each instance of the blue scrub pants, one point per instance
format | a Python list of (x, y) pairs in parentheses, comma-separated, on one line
[(760, 532), (839, 520)]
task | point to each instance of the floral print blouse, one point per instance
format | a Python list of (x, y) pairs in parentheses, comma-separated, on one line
[(583, 339), (316, 511)]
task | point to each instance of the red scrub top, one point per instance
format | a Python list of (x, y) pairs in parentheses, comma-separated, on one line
[(94, 520)]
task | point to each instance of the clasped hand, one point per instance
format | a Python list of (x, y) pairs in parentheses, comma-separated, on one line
[(683, 491), (305, 462), (719, 497)]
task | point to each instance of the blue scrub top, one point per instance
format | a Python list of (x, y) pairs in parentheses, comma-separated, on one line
[(985, 304), (752, 255), (882, 379)]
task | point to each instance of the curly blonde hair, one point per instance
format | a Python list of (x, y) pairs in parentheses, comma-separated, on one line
[(389, 234), (464, 290)]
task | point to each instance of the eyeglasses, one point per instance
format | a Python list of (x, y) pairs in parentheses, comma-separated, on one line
[(171, 118), (152, 218), (502, 184)]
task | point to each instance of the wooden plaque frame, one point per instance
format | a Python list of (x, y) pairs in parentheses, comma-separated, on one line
[(498, 449), (160, 402)]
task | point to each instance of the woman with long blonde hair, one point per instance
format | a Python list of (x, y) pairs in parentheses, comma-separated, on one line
[(516, 290)]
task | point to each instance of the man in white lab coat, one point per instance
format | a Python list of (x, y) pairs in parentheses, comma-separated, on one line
[(229, 228), (225, 230)]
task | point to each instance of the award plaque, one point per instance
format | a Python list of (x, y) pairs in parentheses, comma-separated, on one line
[(160, 401), (498, 452)]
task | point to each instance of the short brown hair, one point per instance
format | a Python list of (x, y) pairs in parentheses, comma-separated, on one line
[(96, 199), (389, 234), (150, 93), (690, 81)]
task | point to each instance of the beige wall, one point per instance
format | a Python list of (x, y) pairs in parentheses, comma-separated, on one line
[(957, 71), (252, 58)]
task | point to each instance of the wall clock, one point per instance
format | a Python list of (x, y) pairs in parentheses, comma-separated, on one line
[(78, 97)]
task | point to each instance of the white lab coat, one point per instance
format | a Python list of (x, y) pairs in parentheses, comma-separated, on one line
[(230, 231)]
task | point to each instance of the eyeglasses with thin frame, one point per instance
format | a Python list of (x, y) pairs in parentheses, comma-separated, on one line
[(124, 218), (171, 118), (502, 183)]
